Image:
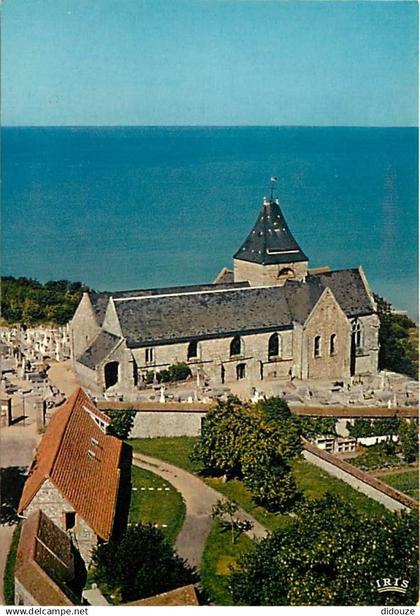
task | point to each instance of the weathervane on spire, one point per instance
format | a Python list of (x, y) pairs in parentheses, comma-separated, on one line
[(273, 183)]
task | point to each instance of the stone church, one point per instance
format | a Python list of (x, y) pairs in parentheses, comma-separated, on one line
[(269, 318)]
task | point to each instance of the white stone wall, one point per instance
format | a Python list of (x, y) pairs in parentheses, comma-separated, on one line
[(354, 482), (326, 319), (166, 423), (213, 353), (54, 505), (83, 327), (367, 361), (268, 275)]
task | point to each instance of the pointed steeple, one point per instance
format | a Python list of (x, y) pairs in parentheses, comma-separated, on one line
[(270, 241)]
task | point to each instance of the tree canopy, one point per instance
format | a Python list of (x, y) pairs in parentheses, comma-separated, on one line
[(330, 555), (140, 564), (245, 441), (398, 341), (121, 422), (408, 436), (363, 426), (27, 301)]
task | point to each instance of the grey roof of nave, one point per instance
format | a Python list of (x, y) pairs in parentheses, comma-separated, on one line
[(101, 347), (100, 300), (270, 240), (205, 315)]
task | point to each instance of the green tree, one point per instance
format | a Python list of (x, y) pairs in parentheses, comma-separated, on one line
[(330, 555), (312, 427), (223, 432), (363, 427), (241, 441), (24, 300), (409, 440), (226, 511), (285, 427), (121, 422), (398, 347), (140, 564)]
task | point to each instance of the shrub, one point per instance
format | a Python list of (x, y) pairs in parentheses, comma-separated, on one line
[(9, 571)]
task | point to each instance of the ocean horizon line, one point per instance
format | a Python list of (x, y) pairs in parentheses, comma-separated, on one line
[(160, 126)]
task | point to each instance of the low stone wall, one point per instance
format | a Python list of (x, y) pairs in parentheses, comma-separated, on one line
[(359, 480), (149, 424)]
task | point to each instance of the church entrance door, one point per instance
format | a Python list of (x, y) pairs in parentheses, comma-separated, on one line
[(111, 374)]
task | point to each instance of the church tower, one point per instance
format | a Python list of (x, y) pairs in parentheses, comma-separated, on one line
[(270, 254)]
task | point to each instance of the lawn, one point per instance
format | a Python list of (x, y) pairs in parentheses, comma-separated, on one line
[(173, 449), (236, 491), (310, 479), (162, 505), (219, 555), (407, 482)]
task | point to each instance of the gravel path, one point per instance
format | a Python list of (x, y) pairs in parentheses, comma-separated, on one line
[(199, 499)]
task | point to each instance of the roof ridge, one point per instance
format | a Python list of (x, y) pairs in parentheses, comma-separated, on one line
[(74, 395)]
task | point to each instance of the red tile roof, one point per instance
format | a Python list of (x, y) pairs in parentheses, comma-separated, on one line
[(185, 595), (44, 561), (88, 481)]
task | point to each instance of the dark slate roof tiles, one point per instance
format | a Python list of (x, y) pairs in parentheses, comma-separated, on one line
[(183, 317), (100, 300), (270, 240), (100, 348)]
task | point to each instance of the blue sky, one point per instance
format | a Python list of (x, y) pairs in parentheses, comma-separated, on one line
[(209, 62)]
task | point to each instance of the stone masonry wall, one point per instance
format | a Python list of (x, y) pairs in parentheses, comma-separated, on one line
[(326, 319), (336, 468), (267, 275), (213, 353), (22, 596), (83, 327), (367, 361), (165, 423), (54, 505)]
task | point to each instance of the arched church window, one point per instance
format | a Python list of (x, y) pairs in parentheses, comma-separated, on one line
[(356, 330), (333, 340), (236, 346), (274, 346), (317, 346), (192, 352)]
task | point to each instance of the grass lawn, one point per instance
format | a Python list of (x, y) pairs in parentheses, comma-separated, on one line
[(163, 505), (314, 482), (407, 482), (310, 479), (219, 555), (173, 449), (236, 491)]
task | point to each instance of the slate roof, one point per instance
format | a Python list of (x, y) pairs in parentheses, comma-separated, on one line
[(225, 276), (270, 240), (99, 301), (349, 290), (205, 315), (44, 561), (89, 483), (100, 348)]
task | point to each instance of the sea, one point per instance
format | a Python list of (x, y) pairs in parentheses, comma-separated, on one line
[(141, 207)]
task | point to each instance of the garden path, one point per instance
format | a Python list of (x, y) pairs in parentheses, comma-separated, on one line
[(199, 499)]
